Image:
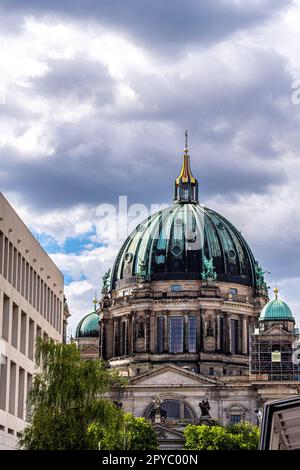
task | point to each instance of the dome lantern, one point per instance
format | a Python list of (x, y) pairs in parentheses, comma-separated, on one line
[(186, 185), (276, 310)]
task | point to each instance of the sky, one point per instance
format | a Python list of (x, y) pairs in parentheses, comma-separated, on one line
[(95, 97)]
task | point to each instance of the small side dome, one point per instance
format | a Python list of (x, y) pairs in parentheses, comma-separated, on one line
[(88, 327), (276, 310)]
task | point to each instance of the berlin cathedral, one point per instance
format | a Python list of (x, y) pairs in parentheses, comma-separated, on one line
[(185, 315)]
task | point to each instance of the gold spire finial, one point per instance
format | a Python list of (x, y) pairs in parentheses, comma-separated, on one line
[(276, 290), (186, 172), (186, 141), (95, 301)]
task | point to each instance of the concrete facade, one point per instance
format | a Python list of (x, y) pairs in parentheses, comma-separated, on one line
[(31, 305)]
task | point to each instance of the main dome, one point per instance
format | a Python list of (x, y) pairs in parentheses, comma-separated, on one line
[(173, 243)]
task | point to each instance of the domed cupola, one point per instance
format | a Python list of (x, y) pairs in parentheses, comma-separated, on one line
[(88, 327), (276, 310), (182, 241)]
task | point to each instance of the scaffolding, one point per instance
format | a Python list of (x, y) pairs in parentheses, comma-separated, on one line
[(271, 356)]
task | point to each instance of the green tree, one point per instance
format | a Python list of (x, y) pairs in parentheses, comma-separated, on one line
[(248, 434), (138, 434), (68, 394), (132, 434), (242, 436)]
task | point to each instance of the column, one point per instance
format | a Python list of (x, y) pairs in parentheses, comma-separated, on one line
[(115, 338), (125, 338), (166, 331), (245, 335), (227, 328), (133, 329), (203, 331), (109, 338), (153, 327), (147, 331), (198, 332), (217, 331), (129, 334), (186, 332), (240, 334), (101, 339)]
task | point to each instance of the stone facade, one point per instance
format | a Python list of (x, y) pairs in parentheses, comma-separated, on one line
[(136, 327), (178, 309), (217, 371)]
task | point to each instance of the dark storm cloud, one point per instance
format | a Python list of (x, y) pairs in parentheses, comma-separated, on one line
[(77, 77), (232, 93), (90, 162), (280, 257), (97, 177), (167, 24)]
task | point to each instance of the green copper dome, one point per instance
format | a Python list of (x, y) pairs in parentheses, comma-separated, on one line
[(88, 326), (276, 309), (174, 243), (186, 241)]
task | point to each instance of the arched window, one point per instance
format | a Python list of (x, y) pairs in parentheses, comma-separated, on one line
[(172, 409), (235, 413)]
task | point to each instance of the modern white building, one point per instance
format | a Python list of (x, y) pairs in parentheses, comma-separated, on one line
[(31, 305)]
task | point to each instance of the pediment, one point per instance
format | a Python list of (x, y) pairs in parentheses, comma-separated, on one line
[(277, 330), (166, 433), (89, 349), (172, 375)]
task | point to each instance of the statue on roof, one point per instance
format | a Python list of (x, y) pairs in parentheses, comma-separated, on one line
[(106, 282), (260, 278), (142, 274), (209, 274), (204, 407)]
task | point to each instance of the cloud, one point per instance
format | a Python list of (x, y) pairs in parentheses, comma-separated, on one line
[(86, 270), (79, 106), (164, 26), (98, 95)]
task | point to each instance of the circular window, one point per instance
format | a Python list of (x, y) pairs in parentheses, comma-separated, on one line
[(176, 250), (231, 254), (128, 257), (221, 225), (140, 228)]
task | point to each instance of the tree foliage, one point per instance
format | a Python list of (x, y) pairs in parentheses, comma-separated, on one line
[(132, 434), (68, 394), (139, 434), (242, 436)]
